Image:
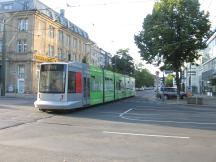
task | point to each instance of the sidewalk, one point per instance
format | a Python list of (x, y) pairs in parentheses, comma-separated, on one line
[(19, 95), (196, 100), (205, 101)]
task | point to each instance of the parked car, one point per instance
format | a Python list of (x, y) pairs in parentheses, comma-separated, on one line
[(148, 88), (140, 89), (170, 92)]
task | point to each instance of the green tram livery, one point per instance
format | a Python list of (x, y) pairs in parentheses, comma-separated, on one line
[(74, 85)]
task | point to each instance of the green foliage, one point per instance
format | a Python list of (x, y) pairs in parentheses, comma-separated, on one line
[(169, 80), (123, 63), (144, 78), (173, 34), (109, 67)]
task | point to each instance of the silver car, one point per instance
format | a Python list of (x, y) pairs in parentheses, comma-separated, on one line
[(170, 92)]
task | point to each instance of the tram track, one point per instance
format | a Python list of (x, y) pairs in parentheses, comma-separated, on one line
[(25, 123)]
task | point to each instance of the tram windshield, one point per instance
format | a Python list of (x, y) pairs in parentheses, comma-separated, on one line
[(52, 78)]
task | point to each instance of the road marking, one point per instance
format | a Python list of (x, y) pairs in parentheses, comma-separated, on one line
[(146, 135), (161, 121), (154, 107), (165, 121), (125, 112)]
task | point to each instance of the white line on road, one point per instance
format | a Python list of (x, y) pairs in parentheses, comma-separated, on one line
[(149, 106), (146, 135), (165, 121), (125, 112), (161, 121)]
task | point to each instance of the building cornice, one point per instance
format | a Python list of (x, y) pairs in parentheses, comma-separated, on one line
[(36, 5)]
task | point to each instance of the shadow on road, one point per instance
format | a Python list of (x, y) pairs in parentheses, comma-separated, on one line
[(144, 111)]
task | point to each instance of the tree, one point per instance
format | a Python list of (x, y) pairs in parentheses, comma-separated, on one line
[(169, 80), (144, 78), (173, 34), (123, 63)]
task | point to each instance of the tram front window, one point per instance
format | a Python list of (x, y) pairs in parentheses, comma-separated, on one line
[(52, 78)]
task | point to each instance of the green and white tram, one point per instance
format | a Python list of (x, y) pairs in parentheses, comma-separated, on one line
[(74, 85)]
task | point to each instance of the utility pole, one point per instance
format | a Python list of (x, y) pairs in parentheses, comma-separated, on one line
[(163, 86), (3, 60), (190, 85)]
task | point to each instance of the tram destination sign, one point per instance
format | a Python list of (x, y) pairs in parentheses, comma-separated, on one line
[(52, 67)]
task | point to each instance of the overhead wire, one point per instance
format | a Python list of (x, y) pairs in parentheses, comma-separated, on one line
[(106, 3)]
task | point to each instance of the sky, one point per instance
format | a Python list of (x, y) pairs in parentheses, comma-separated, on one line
[(112, 24)]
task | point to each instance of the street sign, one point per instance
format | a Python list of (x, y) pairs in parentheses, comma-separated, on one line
[(168, 71), (191, 72)]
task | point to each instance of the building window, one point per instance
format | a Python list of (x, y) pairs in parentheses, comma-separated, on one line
[(68, 41), (23, 24), (22, 46), (80, 46), (75, 43), (51, 52), (21, 71), (8, 6), (51, 31), (61, 36), (68, 55), (26, 5), (1, 46), (60, 53)]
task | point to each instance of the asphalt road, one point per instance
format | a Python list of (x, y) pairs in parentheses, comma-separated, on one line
[(134, 129)]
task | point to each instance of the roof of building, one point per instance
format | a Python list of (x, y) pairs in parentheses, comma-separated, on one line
[(27, 5)]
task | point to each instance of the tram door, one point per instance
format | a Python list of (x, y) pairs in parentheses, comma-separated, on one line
[(86, 89)]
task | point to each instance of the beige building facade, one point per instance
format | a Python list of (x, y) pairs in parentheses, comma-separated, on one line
[(32, 36)]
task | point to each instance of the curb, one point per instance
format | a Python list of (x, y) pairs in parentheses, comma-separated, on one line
[(181, 102), (185, 104)]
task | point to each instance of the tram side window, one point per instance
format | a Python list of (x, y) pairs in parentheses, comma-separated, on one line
[(118, 85), (88, 83), (122, 85), (86, 87), (71, 82), (96, 84), (128, 85), (108, 84), (93, 83)]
